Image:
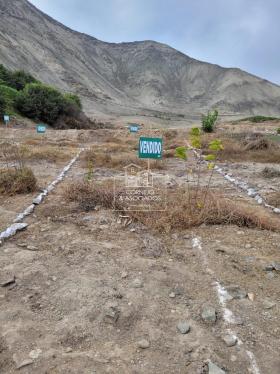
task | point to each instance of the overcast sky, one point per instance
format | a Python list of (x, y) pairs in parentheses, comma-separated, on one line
[(231, 33)]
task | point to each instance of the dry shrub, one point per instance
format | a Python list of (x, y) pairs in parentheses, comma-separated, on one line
[(260, 150), (274, 199), (44, 152), (259, 144), (99, 158), (268, 172), (170, 134), (17, 181), (182, 210)]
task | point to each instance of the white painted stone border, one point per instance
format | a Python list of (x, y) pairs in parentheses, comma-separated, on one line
[(242, 185), (223, 297), (18, 225)]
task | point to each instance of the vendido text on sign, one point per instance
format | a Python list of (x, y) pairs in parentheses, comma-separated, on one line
[(150, 148)]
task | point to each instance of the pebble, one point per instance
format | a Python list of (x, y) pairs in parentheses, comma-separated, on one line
[(143, 344), (248, 246), (267, 304), (137, 283), (209, 314), (24, 363), (172, 295), (35, 353), (32, 248), (183, 327), (214, 369), (251, 296), (69, 350), (124, 275), (230, 340), (236, 292)]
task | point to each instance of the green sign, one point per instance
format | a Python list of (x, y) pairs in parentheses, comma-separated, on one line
[(41, 129), (133, 128), (150, 148)]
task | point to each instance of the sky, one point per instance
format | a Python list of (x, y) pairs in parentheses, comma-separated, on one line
[(230, 33)]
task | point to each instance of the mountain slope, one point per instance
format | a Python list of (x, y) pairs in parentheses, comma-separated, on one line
[(125, 78)]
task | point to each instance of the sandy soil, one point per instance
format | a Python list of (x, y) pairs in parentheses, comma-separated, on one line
[(89, 289)]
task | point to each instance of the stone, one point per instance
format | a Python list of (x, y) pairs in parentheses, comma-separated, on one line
[(124, 275), (172, 295), (69, 350), (143, 344), (183, 327), (9, 281), (32, 248), (24, 363), (251, 296), (111, 314), (35, 353), (214, 369), (270, 275), (137, 283), (276, 266), (236, 292), (230, 340), (267, 304), (248, 246), (209, 314)]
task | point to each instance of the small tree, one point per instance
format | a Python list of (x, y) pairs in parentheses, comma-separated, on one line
[(41, 102), (209, 121)]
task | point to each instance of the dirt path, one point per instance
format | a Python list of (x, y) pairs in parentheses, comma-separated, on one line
[(93, 296)]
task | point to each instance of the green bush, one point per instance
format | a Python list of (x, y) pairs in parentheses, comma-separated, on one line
[(278, 131), (15, 79), (258, 119), (41, 103), (209, 121), (2, 106), (73, 99), (10, 96)]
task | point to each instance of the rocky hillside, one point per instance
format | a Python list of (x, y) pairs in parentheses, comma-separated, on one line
[(126, 78)]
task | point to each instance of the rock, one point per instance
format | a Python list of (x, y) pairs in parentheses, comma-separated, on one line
[(24, 364), (248, 246), (269, 268), (32, 248), (137, 283), (35, 353), (267, 304), (8, 281), (270, 275), (172, 295), (236, 292), (209, 314), (276, 266), (152, 247), (183, 327), (214, 369), (230, 340), (251, 296), (111, 314), (143, 344), (69, 350), (124, 275)]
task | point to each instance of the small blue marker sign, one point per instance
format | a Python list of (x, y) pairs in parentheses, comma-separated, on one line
[(6, 118), (41, 129), (134, 128)]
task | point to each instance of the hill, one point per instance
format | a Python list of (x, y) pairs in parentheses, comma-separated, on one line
[(127, 78)]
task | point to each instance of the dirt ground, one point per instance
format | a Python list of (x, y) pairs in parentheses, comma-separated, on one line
[(88, 294)]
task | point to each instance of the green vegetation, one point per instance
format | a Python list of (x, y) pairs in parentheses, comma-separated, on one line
[(278, 131), (21, 93), (258, 119), (209, 121)]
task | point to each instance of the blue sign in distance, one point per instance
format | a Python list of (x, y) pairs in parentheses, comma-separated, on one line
[(6, 118), (134, 128), (41, 129)]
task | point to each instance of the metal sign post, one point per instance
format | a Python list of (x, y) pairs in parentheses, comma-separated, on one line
[(41, 129), (134, 128), (6, 120)]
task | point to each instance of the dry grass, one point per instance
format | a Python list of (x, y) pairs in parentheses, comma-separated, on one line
[(268, 172), (245, 147), (274, 199), (17, 181), (182, 212), (45, 152), (117, 160)]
